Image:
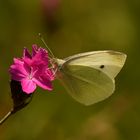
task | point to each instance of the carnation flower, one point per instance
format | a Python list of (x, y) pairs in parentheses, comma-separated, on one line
[(32, 70)]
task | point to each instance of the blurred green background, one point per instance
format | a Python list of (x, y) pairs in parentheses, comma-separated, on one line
[(71, 27)]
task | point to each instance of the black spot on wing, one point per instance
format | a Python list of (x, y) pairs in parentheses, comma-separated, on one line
[(102, 66)]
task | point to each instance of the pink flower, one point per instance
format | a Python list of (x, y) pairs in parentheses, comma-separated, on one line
[(32, 70)]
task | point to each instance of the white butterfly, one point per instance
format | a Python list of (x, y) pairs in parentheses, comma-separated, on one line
[(89, 77)]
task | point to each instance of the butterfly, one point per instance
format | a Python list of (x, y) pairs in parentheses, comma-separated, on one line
[(89, 77)]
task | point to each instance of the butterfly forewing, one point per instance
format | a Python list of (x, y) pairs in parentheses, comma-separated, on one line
[(109, 62)]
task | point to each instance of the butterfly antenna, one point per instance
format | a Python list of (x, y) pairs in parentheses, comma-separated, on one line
[(42, 39)]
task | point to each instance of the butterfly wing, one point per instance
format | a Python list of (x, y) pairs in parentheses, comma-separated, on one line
[(89, 77), (85, 84), (109, 62)]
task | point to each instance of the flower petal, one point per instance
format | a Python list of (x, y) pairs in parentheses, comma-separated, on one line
[(34, 49), (26, 53), (40, 59), (17, 70), (43, 82), (50, 74), (16, 75), (28, 85), (19, 65)]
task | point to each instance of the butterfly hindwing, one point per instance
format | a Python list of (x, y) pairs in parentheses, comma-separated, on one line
[(85, 84)]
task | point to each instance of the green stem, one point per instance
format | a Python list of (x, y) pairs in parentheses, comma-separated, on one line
[(5, 117)]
